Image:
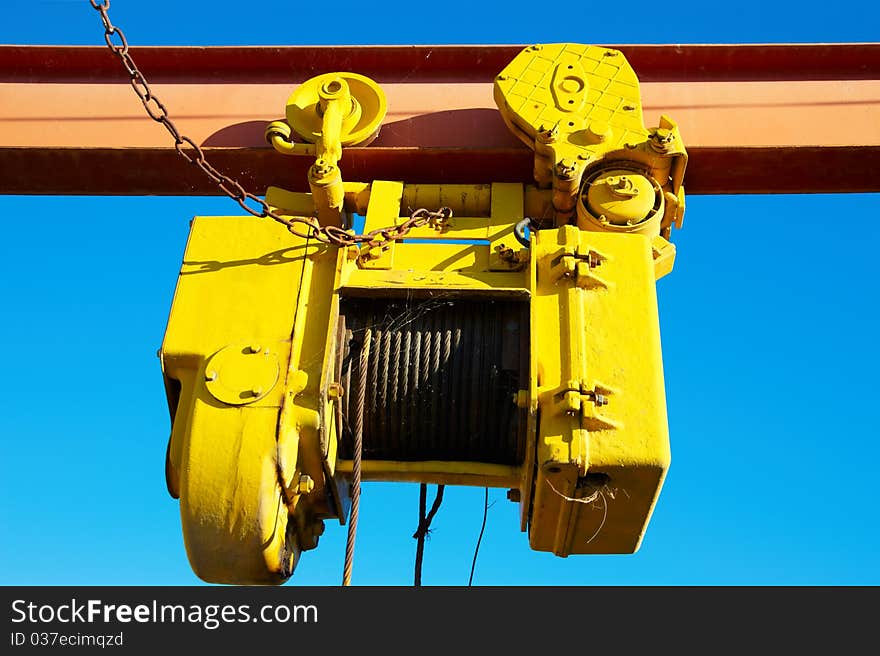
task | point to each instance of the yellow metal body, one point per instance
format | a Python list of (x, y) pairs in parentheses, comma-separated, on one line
[(602, 444), (246, 399), (252, 348)]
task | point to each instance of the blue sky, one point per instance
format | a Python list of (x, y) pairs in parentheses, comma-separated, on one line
[(769, 325)]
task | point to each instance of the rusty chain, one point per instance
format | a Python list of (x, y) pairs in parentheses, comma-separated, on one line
[(301, 226)]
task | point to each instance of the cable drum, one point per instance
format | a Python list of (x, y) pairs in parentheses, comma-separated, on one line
[(441, 378)]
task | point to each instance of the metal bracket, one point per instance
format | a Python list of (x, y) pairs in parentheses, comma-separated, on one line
[(586, 399), (579, 264)]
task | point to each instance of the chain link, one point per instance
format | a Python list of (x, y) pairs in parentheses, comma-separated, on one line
[(307, 227)]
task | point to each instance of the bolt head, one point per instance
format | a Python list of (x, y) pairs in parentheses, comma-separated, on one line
[(565, 169), (210, 375), (305, 485), (547, 135), (661, 139), (322, 168)]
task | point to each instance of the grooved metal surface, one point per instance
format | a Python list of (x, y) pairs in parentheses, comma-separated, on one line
[(440, 380)]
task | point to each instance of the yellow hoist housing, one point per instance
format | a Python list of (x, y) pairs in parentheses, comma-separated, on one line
[(515, 344)]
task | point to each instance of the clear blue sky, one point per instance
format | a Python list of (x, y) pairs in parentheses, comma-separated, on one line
[(769, 324)]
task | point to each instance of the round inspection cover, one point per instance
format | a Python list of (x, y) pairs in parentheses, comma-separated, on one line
[(622, 197), (241, 373)]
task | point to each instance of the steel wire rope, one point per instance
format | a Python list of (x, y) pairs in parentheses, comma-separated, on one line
[(356, 462)]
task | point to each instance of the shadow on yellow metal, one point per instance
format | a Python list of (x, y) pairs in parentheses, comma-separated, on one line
[(256, 340)]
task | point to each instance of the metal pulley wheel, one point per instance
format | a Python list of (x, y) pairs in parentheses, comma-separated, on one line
[(360, 121)]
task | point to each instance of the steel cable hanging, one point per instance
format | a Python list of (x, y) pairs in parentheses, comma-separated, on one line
[(356, 463), (424, 527), (480, 539)]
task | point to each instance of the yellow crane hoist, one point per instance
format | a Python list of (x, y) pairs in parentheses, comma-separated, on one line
[(510, 340)]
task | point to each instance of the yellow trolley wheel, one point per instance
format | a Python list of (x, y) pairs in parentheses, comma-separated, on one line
[(360, 123)]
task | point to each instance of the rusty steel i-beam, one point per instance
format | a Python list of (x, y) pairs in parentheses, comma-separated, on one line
[(759, 118)]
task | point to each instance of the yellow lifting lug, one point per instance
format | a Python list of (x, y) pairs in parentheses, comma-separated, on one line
[(328, 112)]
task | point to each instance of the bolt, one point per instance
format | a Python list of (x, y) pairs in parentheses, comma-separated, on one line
[(210, 375), (513, 494), (661, 140), (256, 391), (254, 348), (322, 168), (565, 169), (305, 484), (501, 78), (610, 53), (335, 391), (601, 399), (629, 108), (547, 135)]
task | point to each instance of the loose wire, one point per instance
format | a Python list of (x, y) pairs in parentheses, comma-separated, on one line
[(424, 527), (480, 539)]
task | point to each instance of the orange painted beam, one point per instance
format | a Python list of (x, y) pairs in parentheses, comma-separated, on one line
[(777, 118)]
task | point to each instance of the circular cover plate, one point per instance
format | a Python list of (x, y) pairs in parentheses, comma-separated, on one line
[(304, 118), (622, 197), (239, 374)]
